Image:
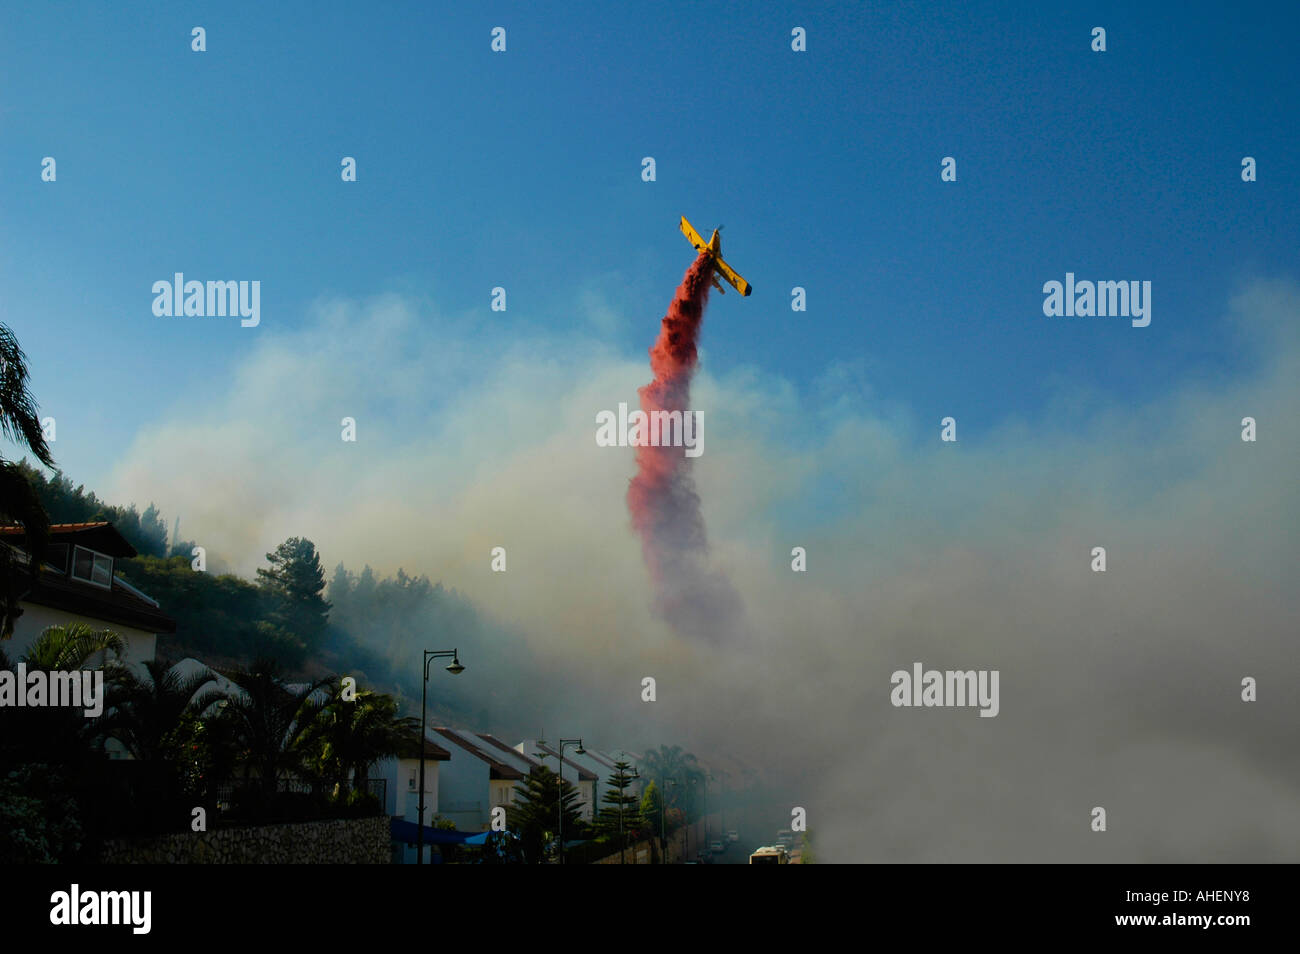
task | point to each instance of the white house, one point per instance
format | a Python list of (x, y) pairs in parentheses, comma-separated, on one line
[(77, 585), (477, 778), (402, 784)]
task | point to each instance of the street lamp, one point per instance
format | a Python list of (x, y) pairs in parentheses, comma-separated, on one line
[(455, 668), (559, 797)]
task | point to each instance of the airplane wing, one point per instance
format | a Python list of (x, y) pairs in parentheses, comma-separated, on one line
[(730, 275), (693, 236)]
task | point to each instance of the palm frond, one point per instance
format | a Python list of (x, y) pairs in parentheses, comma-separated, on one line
[(19, 418), (69, 647)]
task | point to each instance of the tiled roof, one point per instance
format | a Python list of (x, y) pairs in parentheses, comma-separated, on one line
[(58, 527), (99, 535), (584, 775), (498, 770), (432, 750)]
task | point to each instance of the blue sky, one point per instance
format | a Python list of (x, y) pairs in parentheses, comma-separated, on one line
[(522, 169), (925, 299)]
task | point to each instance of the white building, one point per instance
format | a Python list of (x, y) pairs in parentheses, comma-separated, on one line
[(476, 779), (77, 585), (402, 790)]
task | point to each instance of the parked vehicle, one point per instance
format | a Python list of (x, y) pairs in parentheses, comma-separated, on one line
[(717, 847)]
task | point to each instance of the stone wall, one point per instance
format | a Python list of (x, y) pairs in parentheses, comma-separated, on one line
[(339, 841), (642, 853)]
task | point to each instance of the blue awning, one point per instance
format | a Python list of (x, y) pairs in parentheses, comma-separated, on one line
[(402, 830)]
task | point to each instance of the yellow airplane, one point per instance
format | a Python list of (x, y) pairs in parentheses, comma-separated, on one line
[(714, 247)]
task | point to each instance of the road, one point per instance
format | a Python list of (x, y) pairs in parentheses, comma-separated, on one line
[(755, 828)]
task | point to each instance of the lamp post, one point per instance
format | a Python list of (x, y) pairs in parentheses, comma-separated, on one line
[(559, 797), (455, 668)]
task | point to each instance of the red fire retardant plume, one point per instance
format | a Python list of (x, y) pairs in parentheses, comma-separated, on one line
[(661, 497)]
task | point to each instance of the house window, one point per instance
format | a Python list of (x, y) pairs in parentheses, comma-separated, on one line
[(412, 780), (56, 557), (93, 568)]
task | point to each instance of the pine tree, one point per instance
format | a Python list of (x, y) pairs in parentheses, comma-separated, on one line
[(534, 814), (341, 586), (364, 591), (620, 808), (297, 579)]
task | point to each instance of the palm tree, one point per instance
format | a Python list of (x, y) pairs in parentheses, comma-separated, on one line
[(266, 716), (670, 762), (156, 714), (56, 734), (149, 711), (68, 647), (344, 737), (19, 504)]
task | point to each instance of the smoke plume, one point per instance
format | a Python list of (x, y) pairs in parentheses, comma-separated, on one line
[(696, 601)]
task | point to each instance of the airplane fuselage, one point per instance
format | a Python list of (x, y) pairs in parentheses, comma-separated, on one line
[(714, 248)]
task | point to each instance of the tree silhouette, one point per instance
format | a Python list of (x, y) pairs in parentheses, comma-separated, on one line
[(19, 503)]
